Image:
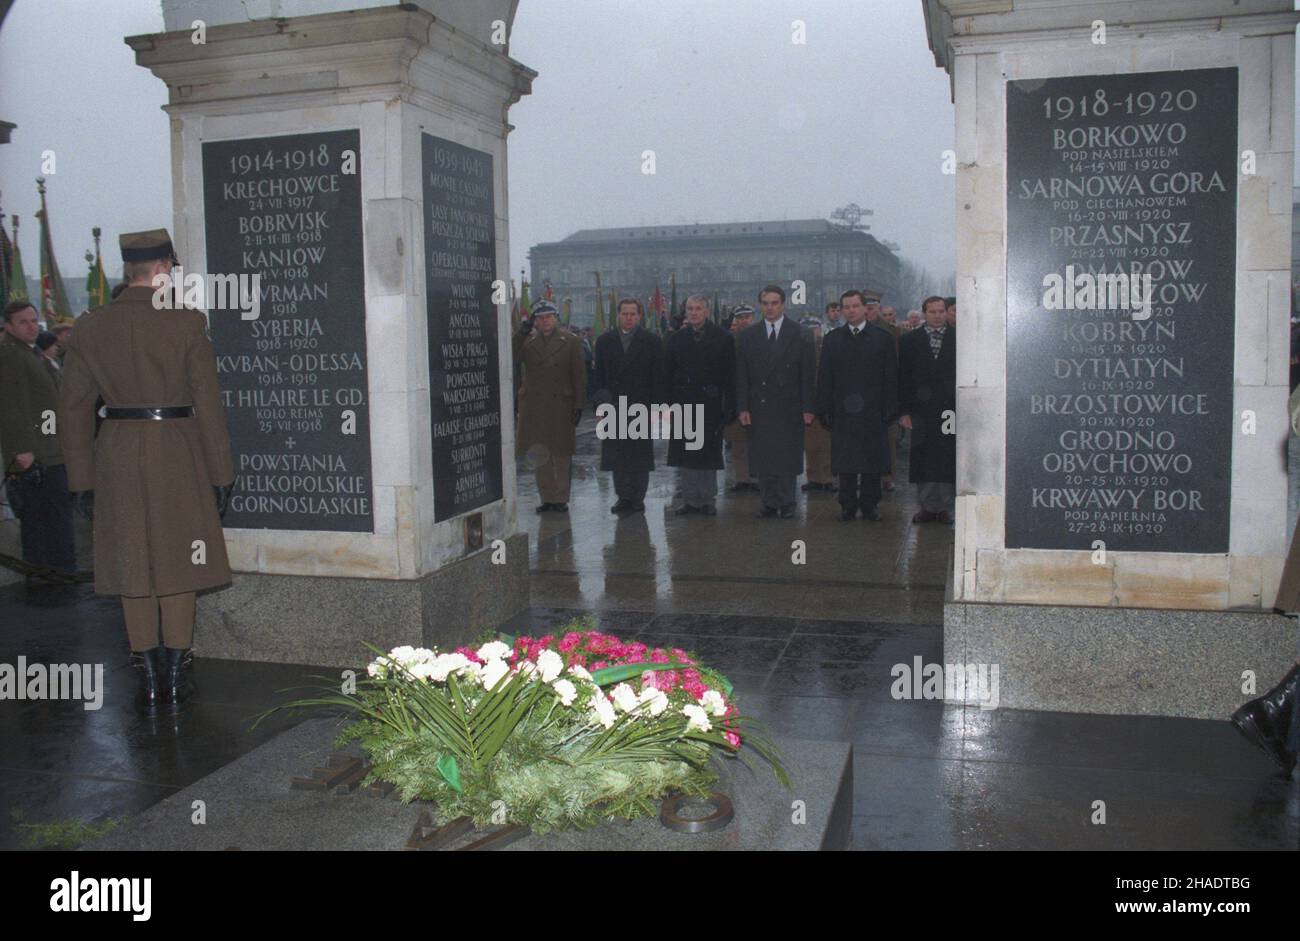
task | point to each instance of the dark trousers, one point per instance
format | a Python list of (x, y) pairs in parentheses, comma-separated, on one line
[(859, 491), (631, 485), (778, 490), (47, 522)]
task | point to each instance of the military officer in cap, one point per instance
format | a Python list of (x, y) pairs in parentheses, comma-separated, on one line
[(551, 399), (734, 434), (148, 480)]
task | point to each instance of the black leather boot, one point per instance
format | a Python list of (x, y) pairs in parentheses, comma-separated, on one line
[(149, 701), (177, 683), (1268, 720)]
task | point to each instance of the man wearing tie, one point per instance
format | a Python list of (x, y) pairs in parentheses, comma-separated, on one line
[(776, 368), (857, 397)]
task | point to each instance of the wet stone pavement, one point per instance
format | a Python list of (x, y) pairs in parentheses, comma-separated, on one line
[(810, 648)]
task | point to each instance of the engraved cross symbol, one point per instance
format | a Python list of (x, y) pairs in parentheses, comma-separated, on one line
[(288, 442)]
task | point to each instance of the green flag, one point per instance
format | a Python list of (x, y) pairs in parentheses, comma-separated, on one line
[(598, 323), (54, 299), (568, 310), (96, 282), (17, 277)]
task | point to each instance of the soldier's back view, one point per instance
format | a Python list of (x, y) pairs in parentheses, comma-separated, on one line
[(162, 448)]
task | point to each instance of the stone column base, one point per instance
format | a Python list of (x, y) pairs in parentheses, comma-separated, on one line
[(325, 621), (1132, 661)]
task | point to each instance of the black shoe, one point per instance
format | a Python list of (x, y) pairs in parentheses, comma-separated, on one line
[(638, 506), (709, 510), (177, 687), (871, 513), (149, 702), (767, 512), (544, 507), (686, 510), (787, 512), (752, 487), (1266, 721), (847, 516), (810, 486), (560, 507), (620, 506)]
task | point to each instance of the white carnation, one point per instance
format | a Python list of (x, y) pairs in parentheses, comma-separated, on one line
[(525, 668), (551, 664), (656, 698), (624, 697), (566, 691), (444, 664), (378, 668), (492, 671), (580, 672), (712, 701), (602, 710), (494, 650), (424, 670), (697, 718)]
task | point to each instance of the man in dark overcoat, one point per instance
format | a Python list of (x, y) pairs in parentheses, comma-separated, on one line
[(700, 364), (552, 396), (776, 391), (162, 449), (927, 387), (857, 397), (629, 365)]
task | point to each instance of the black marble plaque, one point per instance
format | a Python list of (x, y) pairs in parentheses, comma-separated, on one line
[(464, 380), (293, 380), (1119, 417)]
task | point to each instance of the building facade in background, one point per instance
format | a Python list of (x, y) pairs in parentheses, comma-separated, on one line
[(731, 259)]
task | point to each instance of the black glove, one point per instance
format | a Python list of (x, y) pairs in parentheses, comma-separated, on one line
[(678, 320), (86, 504), (525, 327), (222, 494), (577, 417), (825, 421)]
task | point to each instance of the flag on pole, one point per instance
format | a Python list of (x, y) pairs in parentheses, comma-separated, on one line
[(598, 322), (17, 277), (717, 311), (672, 304), (657, 300), (568, 310), (613, 309), (96, 282), (514, 308), (6, 261), (54, 299), (525, 307), (548, 293)]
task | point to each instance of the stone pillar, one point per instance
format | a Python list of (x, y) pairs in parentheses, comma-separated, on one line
[(1119, 573), (355, 161)]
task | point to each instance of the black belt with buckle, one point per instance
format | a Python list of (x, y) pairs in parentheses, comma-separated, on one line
[(149, 414)]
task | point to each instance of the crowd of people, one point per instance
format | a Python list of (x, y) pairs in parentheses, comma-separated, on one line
[(778, 397)]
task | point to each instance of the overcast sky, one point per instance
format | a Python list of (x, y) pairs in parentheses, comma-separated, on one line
[(744, 124)]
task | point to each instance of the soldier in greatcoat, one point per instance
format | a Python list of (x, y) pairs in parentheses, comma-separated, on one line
[(735, 435), (152, 471), (551, 399), (701, 371), (817, 438)]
